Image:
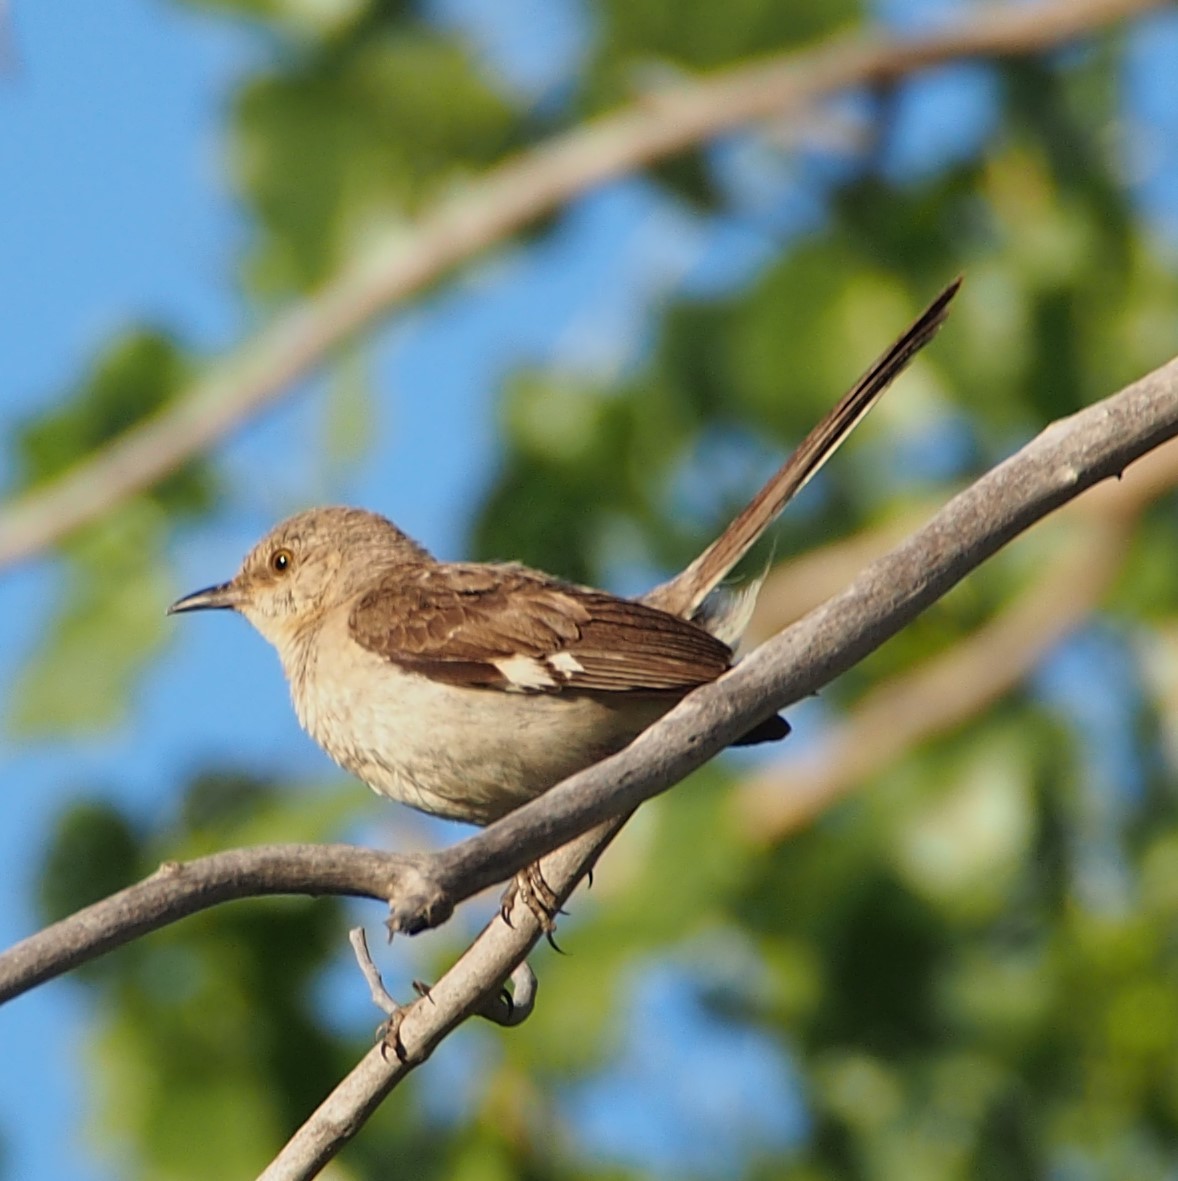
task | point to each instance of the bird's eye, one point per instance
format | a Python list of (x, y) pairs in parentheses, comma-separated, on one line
[(281, 560)]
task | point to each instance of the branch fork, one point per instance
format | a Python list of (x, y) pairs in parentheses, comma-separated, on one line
[(579, 817)]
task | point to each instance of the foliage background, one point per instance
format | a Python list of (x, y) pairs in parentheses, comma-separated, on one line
[(967, 969)]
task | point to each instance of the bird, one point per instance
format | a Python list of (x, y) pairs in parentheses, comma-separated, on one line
[(466, 689)]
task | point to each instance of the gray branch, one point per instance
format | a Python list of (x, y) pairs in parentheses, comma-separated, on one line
[(1062, 462), (178, 889), (471, 986), (422, 890), (1069, 457)]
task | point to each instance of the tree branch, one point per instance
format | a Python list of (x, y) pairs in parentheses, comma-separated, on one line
[(422, 890), (912, 707), (464, 990), (899, 714), (1063, 461), (1067, 458), (178, 889), (508, 198), (800, 584)]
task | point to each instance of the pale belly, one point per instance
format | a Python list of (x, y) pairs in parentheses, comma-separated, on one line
[(465, 754)]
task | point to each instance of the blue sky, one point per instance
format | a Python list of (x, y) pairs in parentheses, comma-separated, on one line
[(116, 209)]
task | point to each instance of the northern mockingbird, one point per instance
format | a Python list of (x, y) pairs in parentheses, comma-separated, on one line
[(466, 689)]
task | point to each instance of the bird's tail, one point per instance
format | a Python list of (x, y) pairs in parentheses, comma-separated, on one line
[(684, 594)]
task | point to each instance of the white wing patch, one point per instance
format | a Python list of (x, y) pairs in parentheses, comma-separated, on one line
[(528, 674), (524, 673), (566, 663)]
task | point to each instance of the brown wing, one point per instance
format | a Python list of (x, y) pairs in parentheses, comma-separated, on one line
[(510, 628)]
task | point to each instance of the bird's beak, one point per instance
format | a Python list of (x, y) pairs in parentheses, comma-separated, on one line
[(210, 599)]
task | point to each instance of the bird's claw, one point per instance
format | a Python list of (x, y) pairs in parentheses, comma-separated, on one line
[(530, 887), (388, 1035)]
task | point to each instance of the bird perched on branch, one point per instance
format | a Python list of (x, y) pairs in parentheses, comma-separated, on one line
[(467, 689)]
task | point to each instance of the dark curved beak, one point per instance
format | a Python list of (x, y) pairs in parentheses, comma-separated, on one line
[(212, 598)]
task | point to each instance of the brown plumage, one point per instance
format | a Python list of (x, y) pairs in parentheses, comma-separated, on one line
[(464, 689), (460, 623)]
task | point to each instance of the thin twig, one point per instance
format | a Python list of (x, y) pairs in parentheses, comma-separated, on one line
[(513, 1008), (507, 199), (381, 997)]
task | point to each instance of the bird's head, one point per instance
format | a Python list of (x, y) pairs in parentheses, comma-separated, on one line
[(304, 567)]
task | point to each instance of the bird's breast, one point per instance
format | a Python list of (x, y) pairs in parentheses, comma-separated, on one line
[(470, 754)]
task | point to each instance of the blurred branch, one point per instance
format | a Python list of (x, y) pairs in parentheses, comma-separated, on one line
[(899, 714), (508, 198), (799, 583)]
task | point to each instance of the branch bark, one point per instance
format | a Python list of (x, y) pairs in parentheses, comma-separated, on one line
[(178, 889), (507, 199), (422, 890), (1069, 457), (462, 991), (806, 580), (906, 710)]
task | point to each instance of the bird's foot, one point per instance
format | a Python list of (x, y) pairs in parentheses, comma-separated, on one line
[(388, 1035), (388, 1032), (530, 888)]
